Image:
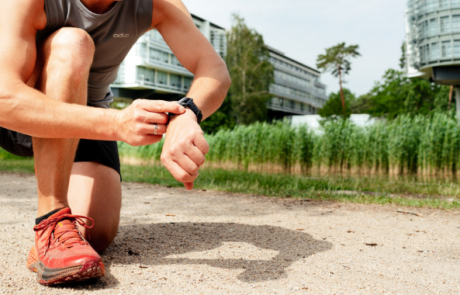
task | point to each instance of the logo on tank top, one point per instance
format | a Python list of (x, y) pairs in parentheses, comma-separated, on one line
[(121, 35)]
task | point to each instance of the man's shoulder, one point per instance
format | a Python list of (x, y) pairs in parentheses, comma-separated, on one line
[(32, 10)]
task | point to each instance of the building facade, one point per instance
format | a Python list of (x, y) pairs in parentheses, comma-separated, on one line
[(297, 89), (152, 71), (433, 39)]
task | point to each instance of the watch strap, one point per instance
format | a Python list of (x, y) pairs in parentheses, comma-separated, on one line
[(187, 102)]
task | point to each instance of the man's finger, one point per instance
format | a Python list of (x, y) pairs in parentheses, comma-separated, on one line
[(156, 118), (196, 155), (179, 173), (160, 106), (201, 143), (187, 164), (188, 185), (150, 129)]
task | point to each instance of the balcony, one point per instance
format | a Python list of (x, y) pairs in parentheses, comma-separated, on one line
[(147, 84), (289, 110), (161, 65)]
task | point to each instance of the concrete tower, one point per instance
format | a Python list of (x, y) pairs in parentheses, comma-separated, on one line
[(433, 41)]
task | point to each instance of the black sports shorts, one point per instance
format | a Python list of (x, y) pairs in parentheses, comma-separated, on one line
[(100, 151)]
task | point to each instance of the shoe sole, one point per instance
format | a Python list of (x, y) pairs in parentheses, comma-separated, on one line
[(51, 276)]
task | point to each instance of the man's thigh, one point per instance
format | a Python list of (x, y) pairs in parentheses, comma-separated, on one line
[(95, 191)]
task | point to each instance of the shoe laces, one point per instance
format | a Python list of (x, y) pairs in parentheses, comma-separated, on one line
[(65, 232)]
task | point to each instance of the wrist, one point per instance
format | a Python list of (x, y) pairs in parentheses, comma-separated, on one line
[(189, 114), (188, 103), (114, 131)]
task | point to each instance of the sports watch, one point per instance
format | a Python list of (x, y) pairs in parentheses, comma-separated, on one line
[(188, 103)]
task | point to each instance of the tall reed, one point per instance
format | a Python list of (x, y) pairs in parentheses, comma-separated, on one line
[(426, 145)]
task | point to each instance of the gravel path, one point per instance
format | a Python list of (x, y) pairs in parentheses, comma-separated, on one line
[(176, 242)]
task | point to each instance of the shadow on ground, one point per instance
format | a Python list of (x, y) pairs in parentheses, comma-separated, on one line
[(152, 244)]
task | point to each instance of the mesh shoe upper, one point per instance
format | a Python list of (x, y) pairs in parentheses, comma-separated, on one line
[(60, 244)]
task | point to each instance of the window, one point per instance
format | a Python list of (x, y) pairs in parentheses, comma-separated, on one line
[(297, 106), (431, 5), (276, 88), (434, 50), (187, 82), (424, 29), (154, 54), (424, 53), (142, 50), (157, 36), (291, 78), (456, 23), (218, 41), (288, 103), (446, 49), (175, 80), (454, 3), (165, 57), (456, 48), (277, 101), (145, 75), (443, 3), (162, 78), (175, 61), (121, 74), (158, 55), (433, 27), (445, 24)]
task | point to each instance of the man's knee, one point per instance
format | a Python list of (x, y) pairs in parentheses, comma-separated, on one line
[(71, 47), (102, 239)]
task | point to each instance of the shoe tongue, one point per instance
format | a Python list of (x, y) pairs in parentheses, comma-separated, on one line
[(65, 224), (61, 212)]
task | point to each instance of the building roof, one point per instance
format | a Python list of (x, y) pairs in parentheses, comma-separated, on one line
[(211, 23), (271, 49)]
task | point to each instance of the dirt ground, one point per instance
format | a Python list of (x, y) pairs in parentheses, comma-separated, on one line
[(176, 242)]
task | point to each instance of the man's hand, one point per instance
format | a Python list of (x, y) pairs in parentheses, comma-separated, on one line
[(136, 123), (184, 149)]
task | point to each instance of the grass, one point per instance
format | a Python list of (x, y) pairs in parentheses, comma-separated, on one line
[(403, 192), (315, 188), (21, 166)]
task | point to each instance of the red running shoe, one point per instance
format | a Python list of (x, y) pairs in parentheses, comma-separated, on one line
[(61, 254)]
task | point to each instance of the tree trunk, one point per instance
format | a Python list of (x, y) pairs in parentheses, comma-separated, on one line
[(451, 92), (341, 92)]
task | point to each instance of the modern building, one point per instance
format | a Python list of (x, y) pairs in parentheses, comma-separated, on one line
[(297, 89), (433, 40), (152, 71)]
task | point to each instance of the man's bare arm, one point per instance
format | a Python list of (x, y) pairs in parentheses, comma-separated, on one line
[(28, 111), (194, 52), (185, 146)]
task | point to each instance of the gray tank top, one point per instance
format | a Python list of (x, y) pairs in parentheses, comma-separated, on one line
[(114, 33)]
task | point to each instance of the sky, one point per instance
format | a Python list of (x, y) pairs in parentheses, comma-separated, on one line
[(303, 29)]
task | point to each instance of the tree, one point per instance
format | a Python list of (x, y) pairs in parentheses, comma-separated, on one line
[(397, 95), (251, 72), (402, 60), (221, 119), (337, 61), (333, 107)]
